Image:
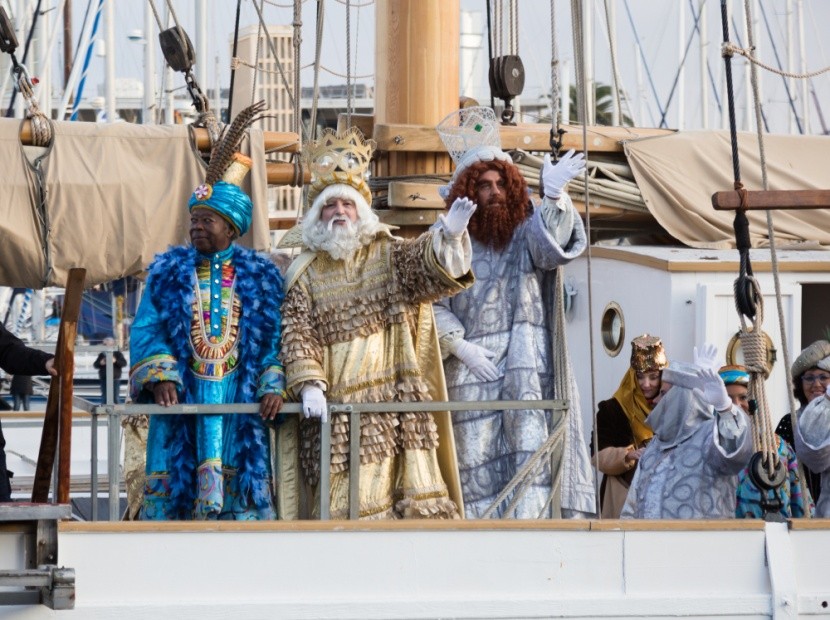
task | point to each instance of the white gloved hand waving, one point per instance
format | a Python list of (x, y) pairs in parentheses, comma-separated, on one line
[(456, 219), (556, 176), (707, 357), (714, 390), (314, 403), (478, 360)]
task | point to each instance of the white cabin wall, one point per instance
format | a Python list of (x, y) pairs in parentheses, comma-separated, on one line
[(645, 296), (719, 322), (684, 308)]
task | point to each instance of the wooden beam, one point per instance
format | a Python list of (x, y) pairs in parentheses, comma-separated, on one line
[(406, 194), (282, 223), (282, 173), (57, 422), (364, 122), (529, 137), (283, 141), (773, 199), (408, 217)]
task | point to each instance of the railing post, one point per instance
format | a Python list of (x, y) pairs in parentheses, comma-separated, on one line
[(93, 465), (325, 469), (354, 464), (113, 454)]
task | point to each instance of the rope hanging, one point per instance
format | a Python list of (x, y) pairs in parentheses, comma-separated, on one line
[(41, 125), (765, 469)]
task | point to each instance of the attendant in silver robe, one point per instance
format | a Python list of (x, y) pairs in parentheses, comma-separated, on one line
[(497, 336), (701, 442), (812, 435)]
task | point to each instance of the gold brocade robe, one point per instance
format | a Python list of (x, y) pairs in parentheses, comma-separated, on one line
[(364, 330)]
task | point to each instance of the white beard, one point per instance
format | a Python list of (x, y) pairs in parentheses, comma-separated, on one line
[(341, 242)]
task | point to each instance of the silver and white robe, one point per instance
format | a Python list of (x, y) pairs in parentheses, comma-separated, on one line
[(690, 468), (812, 446), (509, 310)]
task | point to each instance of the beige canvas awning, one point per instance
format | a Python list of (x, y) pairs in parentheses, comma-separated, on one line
[(677, 175), (115, 195)]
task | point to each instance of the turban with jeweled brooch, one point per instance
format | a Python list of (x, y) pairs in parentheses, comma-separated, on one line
[(221, 191), (226, 197)]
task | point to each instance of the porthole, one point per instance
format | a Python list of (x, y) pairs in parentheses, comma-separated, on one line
[(612, 329), (735, 354)]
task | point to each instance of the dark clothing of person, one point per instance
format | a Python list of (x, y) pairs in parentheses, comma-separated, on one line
[(613, 431), (17, 359), (118, 362), (21, 389), (811, 478)]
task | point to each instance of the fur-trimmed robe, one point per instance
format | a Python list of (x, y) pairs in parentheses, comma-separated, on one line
[(363, 329), (208, 466)]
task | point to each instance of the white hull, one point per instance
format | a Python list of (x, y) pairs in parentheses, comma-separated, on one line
[(347, 570)]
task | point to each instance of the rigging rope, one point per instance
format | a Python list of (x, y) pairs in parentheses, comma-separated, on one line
[(348, 65), (582, 98), (771, 447), (235, 49), (297, 39), (615, 70), (731, 48), (257, 51), (318, 46)]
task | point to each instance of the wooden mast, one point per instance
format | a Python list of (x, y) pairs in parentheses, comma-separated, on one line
[(416, 74)]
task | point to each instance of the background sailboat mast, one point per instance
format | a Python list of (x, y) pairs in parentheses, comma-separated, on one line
[(109, 85), (149, 100), (202, 44), (67, 43), (802, 66), (416, 73)]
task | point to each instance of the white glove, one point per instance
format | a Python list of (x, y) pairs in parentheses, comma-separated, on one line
[(314, 403), (477, 359), (707, 357), (556, 176), (456, 219), (714, 390)]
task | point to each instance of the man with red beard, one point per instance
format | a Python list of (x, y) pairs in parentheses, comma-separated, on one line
[(496, 337)]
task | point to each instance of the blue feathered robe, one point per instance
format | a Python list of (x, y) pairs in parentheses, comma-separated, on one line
[(211, 324)]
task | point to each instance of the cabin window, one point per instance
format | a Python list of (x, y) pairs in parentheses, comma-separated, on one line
[(612, 329), (735, 354)]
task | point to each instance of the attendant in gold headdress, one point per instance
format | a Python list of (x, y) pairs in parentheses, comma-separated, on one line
[(622, 433), (358, 327)]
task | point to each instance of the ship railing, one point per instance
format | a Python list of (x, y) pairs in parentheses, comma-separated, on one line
[(113, 414)]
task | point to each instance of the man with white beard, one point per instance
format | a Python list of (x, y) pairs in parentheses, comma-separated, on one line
[(358, 327)]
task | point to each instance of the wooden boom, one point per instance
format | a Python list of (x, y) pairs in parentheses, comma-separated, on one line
[(278, 173), (773, 199)]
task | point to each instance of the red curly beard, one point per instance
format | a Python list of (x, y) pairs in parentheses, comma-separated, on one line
[(495, 222)]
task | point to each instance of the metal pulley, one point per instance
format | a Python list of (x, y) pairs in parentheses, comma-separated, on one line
[(507, 80), (768, 484), (177, 49), (179, 53), (8, 40)]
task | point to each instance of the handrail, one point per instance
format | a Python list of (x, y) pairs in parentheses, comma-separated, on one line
[(113, 412)]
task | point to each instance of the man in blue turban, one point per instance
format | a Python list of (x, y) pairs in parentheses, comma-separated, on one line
[(207, 331)]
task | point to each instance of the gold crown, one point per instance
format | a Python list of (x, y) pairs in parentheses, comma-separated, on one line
[(647, 354), (339, 158)]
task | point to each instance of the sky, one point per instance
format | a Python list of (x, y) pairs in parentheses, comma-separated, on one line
[(655, 93)]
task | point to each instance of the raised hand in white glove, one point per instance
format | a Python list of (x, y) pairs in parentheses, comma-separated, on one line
[(478, 359), (456, 219), (707, 357), (714, 390), (556, 176), (314, 403)]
